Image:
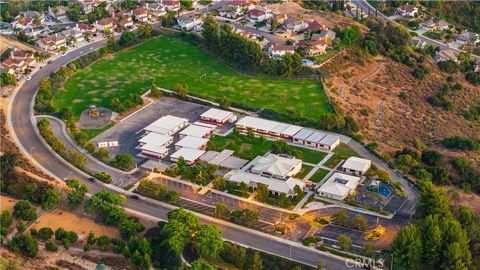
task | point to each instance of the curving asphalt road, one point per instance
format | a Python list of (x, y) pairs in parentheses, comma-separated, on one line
[(23, 126)]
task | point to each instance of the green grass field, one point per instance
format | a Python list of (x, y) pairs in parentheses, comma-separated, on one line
[(246, 148), (342, 151), (318, 175), (171, 61)]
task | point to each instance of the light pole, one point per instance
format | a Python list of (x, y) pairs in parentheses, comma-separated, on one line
[(391, 263)]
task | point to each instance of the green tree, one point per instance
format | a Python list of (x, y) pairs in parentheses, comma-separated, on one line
[(127, 39), (8, 79), (433, 201), (454, 258), (344, 242), (211, 33), (341, 217), (76, 158), (256, 262), (181, 90), (129, 227), (50, 198), (75, 197), (102, 154), (431, 236), (25, 244), (23, 209), (351, 35), (124, 161), (369, 249), (407, 248), (432, 157), (155, 91), (262, 192), (139, 251), (103, 242), (208, 241), (51, 246), (45, 233), (6, 220), (221, 210), (186, 4), (360, 222), (201, 264)]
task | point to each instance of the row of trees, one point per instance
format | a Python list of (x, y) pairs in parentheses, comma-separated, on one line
[(235, 49), (23, 187), (198, 173), (108, 207), (156, 191), (443, 238)]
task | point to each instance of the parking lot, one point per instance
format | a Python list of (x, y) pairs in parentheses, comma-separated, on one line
[(129, 131)]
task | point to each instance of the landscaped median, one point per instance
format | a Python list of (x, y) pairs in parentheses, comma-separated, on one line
[(72, 156)]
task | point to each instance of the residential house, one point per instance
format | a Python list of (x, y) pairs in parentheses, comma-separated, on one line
[(155, 10), (87, 6), (106, 23), (73, 36), (467, 37), (37, 31), (294, 26), (317, 47), (445, 55), (419, 43), (85, 29), (124, 20), (477, 68), (230, 11), (279, 50), (58, 13), (259, 14), (52, 42), (141, 14), (263, 42), (442, 26), (18, 61), (407, 10), (173, 5), (190, 21), (429, 24), (314, 26), (326, 36)]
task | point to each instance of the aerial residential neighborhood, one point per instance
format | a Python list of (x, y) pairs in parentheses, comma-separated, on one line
[(240, 134)]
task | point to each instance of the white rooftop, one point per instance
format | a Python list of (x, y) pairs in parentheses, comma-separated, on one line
[(191, 142), (281, 186), (196, 131), (216, 114), (257, 123), (268, 125), (303, 134), (357, 164), (188, 154), (316, 136), (340, 184), (221, 157), (154, 148), (203, 124), (274, 164), (155, 139), (166, 124), (329, 139)]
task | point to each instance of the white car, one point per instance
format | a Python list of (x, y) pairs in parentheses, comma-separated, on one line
[(28, 78)]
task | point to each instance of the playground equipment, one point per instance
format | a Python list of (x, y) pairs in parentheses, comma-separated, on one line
[(93, 111)]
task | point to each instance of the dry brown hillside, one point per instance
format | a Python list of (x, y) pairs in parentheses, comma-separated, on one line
[(369, 88)]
